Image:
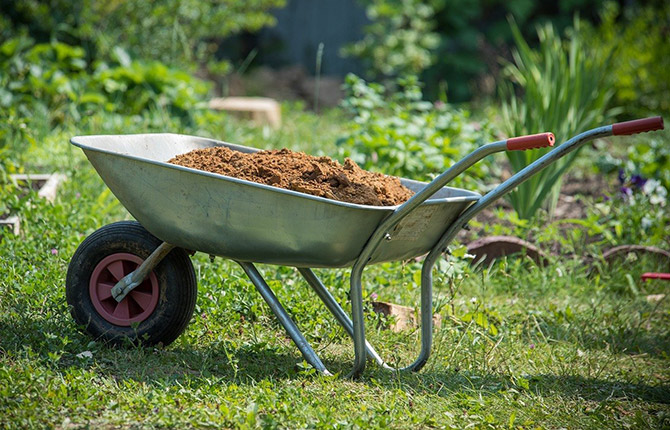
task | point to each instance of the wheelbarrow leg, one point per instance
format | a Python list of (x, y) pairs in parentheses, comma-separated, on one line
[(283, 317), (426, 321), (356, 295), (346, 323), (426, 316), (337, 311)]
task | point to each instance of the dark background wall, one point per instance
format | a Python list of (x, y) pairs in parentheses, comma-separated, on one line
[(294, 40)]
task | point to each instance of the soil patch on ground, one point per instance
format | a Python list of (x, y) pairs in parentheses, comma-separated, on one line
[(297, 171)]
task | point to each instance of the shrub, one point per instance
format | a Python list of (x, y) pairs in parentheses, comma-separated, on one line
[(138, 86), (181, 33), (564, 88), (53, 78), (399, 40), (638, 39), (401, 134)]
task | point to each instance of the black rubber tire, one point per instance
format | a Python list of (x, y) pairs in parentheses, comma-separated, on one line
[(176, 279)]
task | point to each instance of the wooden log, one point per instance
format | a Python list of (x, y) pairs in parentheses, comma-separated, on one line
[(263, 110)]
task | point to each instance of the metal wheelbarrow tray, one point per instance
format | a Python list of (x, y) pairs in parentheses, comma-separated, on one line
[(125, 282)]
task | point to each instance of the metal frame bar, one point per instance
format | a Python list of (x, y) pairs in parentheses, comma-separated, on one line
[(129, 282), (283, 317), (337, 311)]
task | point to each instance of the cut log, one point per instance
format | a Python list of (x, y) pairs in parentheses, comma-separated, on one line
[(263, 110)]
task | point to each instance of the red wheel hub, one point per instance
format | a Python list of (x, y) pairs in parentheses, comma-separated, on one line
[(137, 305)]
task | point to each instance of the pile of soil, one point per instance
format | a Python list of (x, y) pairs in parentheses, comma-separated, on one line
[(297, 171)]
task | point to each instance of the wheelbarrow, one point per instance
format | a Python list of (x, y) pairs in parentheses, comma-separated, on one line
[(131, 281)]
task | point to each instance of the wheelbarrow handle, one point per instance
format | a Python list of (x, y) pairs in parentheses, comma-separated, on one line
[(515, 143), (637, 126), (383, 231), (533, 141), (624, 128), (653, 275)]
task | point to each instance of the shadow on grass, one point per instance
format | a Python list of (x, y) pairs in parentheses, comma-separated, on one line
[(654, 342), (249, 363), (45, 343), (568, 386), (576, 386)]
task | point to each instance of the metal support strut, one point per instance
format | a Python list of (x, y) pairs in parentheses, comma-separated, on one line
[(136, 277), (283, 317)]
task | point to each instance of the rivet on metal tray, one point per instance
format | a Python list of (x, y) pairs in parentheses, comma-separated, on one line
[(387, 236)]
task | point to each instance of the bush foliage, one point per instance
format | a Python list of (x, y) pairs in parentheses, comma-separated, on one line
[(401, 134), (564, 88), (182, 33), (57, 77), (399, 40), (638, 41)]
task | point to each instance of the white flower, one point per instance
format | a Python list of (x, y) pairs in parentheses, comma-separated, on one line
[(650, 186), (85, 354), (656, 192), (659, 197)]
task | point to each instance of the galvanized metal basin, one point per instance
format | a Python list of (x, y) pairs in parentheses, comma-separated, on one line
[(251, 222)]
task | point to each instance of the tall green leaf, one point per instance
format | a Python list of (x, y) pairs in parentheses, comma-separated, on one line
[(562, 87)]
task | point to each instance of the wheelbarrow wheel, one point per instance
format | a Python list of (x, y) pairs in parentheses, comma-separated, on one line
[(155, 312)]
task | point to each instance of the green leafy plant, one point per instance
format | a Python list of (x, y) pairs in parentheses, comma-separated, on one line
[(137, 86), (564, 88), (399, 40), (49, 74), (638, 40), (637, 212), (182, 33), (401, 134), (648, 158), (636, 215), (55, 79)]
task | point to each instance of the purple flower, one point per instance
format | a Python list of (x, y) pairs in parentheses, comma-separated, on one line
[(373, 296), (531, 346), (54, 251), (626, 191), (638, 181)]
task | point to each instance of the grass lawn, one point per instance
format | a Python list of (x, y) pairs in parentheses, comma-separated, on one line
[(567, 345)]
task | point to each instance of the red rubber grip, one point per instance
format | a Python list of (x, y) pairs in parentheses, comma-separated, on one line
[(651, 275), (541, 140), (637, 126)]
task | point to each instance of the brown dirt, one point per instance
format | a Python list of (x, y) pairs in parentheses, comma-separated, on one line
[(297, 171)]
